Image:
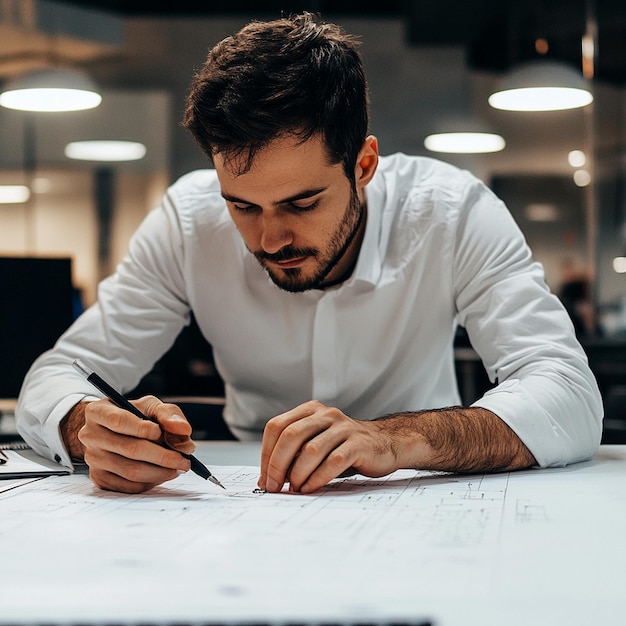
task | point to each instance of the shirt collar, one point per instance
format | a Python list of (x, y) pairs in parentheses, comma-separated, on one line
[(368, 268)]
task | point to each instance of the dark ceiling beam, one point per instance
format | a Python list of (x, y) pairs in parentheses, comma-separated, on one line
[(250, 8), (495, 33)]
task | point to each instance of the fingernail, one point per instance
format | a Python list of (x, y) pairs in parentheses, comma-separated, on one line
[(271, 485)]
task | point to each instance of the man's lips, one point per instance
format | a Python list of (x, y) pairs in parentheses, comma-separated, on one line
[(288, 263)]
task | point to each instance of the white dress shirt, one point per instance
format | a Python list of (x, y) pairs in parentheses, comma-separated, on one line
[(439, 250)]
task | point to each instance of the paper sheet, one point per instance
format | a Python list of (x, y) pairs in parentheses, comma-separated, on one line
[(396, 547)]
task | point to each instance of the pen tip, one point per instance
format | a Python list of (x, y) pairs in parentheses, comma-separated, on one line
[(216, 482)]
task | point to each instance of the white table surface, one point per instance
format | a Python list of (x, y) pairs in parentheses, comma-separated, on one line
[(531, 548)]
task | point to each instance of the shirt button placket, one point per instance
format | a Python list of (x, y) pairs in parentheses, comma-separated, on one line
[(324, 347)]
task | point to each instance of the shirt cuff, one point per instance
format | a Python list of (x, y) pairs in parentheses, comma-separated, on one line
[(52, 428)]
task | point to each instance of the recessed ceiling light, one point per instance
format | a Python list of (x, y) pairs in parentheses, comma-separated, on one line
[(41, 185), (619, 264), (541, 212), (464, 143), (14, 194), (576, 158), (105, 150), (582, 178)]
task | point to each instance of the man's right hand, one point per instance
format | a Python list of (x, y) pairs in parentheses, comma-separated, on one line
[(123, 452)]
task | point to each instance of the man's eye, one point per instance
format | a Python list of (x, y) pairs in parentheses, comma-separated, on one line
[(302, 208), (245, 208)]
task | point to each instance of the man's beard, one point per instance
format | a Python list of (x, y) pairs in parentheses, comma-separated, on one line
[(291, 279)]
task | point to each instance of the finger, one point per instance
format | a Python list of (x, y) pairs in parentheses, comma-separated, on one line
[(164, 418), (360, 452), (180, 443), (169, 416), (110, 416), (289, 449), (113, 481), (175, 423), (273, 430), (176, 429), (312, 454), (337, 463), (97, 438)]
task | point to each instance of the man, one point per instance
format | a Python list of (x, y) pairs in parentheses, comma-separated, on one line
[(329, 282)]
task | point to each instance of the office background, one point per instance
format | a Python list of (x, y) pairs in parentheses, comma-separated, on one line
[(431, 65)]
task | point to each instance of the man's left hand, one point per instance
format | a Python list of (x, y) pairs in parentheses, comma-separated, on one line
[(313, 443)]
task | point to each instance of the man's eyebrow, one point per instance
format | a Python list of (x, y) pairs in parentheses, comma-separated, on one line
[(302, 195)]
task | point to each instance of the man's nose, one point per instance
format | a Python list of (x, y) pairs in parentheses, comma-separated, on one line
[(275, 234)]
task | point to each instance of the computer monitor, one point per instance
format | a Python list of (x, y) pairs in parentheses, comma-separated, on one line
[(36, 297)]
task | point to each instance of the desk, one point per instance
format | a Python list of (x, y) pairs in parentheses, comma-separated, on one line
[(531, 548)]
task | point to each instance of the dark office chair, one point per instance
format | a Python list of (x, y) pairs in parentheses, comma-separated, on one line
[(186, 376), (614, 430)]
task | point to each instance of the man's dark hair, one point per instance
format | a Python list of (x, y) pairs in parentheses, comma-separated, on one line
[(291, 76)]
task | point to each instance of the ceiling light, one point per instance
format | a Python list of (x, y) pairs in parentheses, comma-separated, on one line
[(619, 264), (50, 90), (41, 185), (576, 158), (105, 150), (464, 142), (541, 212), (541, 45), (542, 86), (14, 194), (582, 178)]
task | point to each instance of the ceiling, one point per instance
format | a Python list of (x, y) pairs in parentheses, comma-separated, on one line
[(142, 53), (146, 45), (495, 33), (108, 39)]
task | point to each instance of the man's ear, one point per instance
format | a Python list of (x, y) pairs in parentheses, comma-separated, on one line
[(367, 161)]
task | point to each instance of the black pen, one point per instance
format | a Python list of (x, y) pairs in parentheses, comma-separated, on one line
[(118, 399)]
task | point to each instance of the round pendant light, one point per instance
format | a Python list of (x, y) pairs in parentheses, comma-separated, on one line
[(542, 86), (50, 90)]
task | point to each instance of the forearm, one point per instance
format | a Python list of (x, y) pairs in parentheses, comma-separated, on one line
[(70, 425), (455, 439)]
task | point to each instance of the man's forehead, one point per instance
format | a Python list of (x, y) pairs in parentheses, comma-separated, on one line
[(281, 154), (278, 174)]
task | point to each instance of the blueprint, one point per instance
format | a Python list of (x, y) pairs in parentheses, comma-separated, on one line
[(392, 547)]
